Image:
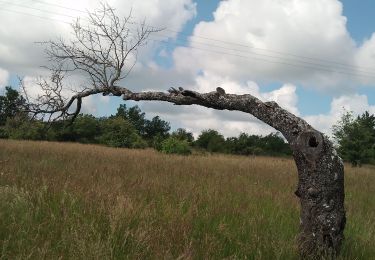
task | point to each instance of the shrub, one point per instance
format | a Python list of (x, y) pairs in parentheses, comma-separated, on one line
[(174, 146), (21, 127), (118, 132), (211, 140)]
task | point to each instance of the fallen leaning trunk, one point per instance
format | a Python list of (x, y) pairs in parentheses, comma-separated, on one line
[(320, 170)]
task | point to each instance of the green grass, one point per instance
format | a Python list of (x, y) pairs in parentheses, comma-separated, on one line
[(72, 201)]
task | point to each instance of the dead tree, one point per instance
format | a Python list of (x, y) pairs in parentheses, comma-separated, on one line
[(102, 49)]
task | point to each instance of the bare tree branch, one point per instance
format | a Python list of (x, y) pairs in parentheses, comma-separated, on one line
[(104, 50)]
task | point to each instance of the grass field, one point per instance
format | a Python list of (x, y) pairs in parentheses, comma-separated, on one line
[(72, 201)]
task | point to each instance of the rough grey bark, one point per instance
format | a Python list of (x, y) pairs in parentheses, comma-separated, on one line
[(320, 170)]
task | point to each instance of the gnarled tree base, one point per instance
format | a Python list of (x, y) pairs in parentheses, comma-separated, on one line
[(321, 192)]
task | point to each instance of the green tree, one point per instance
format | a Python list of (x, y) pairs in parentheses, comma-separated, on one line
[(157, 127), (182, 134), (273, 144), (172, 145), (211, 140), (137, 118), (10, 104), (118, 132), (244, 144), (85, 129), (355, 138), (21, 127), (122, 111), (134, 115)]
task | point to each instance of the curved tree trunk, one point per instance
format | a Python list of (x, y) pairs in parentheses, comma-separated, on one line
[(320, 170)]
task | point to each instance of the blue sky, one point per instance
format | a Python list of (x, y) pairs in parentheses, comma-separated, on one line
[(360, 24), (360, 14), (306, 34)]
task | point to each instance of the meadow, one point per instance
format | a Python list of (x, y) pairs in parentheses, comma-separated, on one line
[(74, 201)]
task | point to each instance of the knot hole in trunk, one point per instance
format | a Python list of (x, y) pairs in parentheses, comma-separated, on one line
[(313, 142), (310, 143)]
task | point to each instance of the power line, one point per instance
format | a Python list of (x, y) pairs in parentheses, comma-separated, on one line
[(316, 66), (276, 62), (38, 16), (270, 56), (37, 9), (301, 57), (60, 6), (267, 50)]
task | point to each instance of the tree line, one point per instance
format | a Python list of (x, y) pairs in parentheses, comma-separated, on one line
[(355, 138), (129, 128)]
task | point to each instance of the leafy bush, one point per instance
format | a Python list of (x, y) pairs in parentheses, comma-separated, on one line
[(84, 129), (355, 138), (211, 140), (21, 127), (138, 142), (118, 132), (174, 146), (182, 134)]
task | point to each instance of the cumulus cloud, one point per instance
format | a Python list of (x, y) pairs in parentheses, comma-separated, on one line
[(256, 38), (303, 42), (365, 58), (285, 96), (150, 76), (355, 103), (90, 104), (4, 77), (19, 32)]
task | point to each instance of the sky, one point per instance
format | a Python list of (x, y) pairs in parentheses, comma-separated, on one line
[(315, 58)]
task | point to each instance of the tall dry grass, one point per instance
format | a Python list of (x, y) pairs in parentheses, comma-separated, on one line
[(75, 201)]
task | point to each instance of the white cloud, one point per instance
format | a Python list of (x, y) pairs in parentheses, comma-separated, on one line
[(269, 30), (356, 103), (4, 77), (365, 58), (285, 96), (303, 28), (90, 104), (171, 14), (19, 32)]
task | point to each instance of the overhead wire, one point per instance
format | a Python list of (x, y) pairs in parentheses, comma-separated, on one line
[(266, 55), (34, 15), (60, 6), (275, 62), (37, 9), (300, 63), (229, 42)]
